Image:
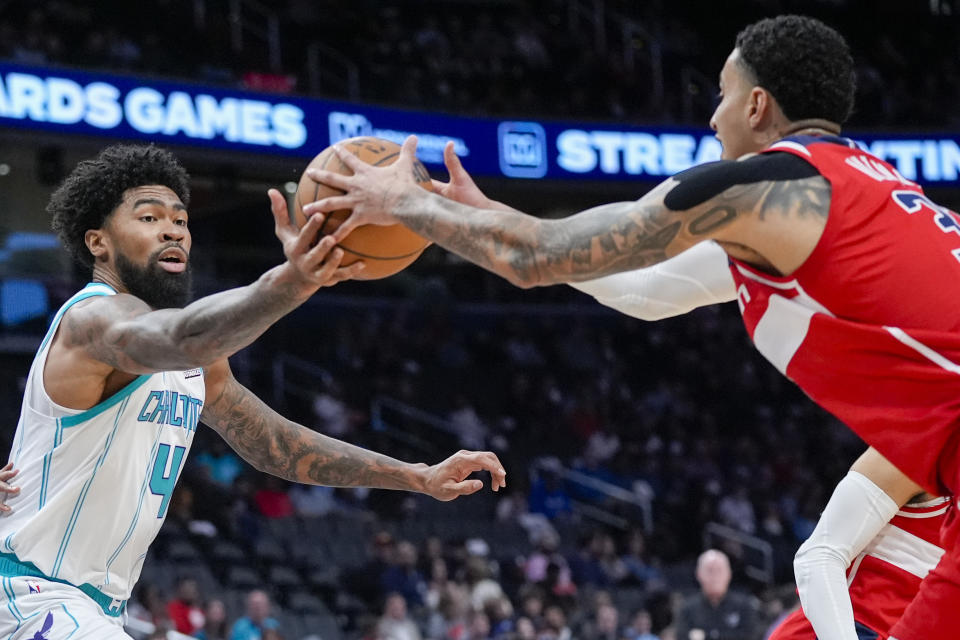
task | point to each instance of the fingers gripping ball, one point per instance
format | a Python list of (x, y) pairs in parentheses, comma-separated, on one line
[(385, 250)]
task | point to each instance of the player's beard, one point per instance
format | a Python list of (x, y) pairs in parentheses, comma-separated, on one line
[(158, 288)]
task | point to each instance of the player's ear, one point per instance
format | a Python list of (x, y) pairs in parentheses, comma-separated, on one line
[(760, 106), (97, 243)]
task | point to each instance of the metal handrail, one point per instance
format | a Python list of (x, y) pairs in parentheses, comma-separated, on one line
[(613, 491), (763, 573)]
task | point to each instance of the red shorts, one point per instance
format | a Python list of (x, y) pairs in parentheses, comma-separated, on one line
[(934, 613), (794, 627)]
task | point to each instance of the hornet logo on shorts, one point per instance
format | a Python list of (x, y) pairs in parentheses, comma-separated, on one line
[(523, 149), (45, 629)]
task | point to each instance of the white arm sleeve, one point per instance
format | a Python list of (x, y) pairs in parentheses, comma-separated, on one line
[(695, 278), (855, 514)]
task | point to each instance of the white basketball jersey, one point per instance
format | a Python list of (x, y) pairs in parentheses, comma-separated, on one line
[(96, 484)]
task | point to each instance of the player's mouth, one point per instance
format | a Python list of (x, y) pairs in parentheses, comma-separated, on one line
[(173, 260)]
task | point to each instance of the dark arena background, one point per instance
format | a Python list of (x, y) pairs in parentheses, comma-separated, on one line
[(630, 446)]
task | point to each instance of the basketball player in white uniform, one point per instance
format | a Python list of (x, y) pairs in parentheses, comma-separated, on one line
[(121, 381)]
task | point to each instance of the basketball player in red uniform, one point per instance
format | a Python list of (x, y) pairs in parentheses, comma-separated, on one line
[(845, 272), (865, 561)]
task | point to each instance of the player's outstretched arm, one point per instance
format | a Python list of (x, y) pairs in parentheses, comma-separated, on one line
[(707, 202), (123, 332), (278, 446), (861, 505), (696, 277)]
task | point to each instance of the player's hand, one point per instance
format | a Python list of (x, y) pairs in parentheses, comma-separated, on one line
[(372, 193), (448, 479), (7, 474), (318, 265), (461, 187)]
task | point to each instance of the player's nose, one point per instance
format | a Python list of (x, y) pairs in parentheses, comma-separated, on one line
[(173, 233)]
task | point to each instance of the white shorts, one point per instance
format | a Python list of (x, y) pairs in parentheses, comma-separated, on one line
[(38, 609)]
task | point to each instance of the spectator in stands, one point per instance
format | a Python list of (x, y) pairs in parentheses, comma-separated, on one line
[(221, 464), (449, 620), (365, 580), (184, 608), (525, 630), (547, 495), (605, 624), (257, 618), (640, 627), (479, 579), (716, 612), (150, 605), (736, 510), (395, 623), (313, 501), (531, 605), (403, 577), (639, 568), (470, 429), (272, 499), (555, 624), (586, 565), (500, 616), (479, 626), (215, 622)]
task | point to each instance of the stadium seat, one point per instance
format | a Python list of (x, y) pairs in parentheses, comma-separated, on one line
[(240, 577), (305, 603)]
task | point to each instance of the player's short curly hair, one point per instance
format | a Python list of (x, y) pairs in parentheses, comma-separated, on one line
[(803, 63), (95, 189)]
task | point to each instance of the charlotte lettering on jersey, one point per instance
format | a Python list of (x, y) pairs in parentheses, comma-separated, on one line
[(172, 408)]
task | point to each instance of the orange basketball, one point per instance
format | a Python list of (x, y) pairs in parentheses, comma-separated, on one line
[(384, 249)]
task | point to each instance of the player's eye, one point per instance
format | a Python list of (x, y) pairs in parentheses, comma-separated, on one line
[(182, 222), (148, 218)]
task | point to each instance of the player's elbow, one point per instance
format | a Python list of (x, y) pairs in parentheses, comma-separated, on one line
[(813, 556), (523, 269)]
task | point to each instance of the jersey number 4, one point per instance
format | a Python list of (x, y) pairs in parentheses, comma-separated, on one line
[(163, 481), (948, 221)]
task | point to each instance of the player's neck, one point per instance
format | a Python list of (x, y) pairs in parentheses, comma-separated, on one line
[(811, 126), (107, 277)]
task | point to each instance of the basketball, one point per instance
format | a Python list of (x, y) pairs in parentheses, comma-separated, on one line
[(385, 250)]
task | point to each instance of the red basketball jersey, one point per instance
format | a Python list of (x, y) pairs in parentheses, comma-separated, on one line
[(885, 577), (869, 325)]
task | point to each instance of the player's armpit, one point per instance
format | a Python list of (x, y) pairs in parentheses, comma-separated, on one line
[(278, 446)]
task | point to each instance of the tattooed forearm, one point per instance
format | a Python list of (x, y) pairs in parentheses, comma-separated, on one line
[(275, 445), (529, 251)]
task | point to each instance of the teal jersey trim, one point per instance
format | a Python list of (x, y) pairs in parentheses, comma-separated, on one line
[(12, 567), (83, 294), (72, 421), (75, 623)]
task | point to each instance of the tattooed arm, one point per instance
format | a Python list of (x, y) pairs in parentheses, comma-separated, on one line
[(123, 333), (283, 448), (774, 223)]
